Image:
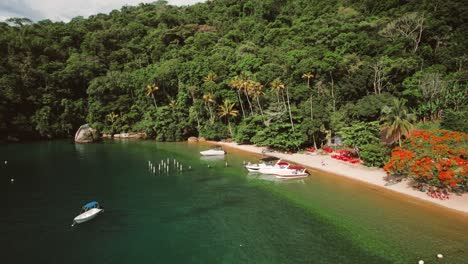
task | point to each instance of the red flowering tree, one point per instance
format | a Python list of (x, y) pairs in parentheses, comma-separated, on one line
[(437, 158)]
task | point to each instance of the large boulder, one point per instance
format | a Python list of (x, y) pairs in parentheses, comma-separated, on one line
[(192, 139), (85, 134)]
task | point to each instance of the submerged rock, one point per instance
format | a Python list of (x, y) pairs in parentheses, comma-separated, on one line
[(85, 134)]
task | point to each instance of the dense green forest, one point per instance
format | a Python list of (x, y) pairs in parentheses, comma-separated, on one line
[(287, 74)]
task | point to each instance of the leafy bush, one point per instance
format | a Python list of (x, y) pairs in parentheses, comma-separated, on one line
[(280, 136), (374, 155), (437, 158), (455, 120), (360, 134), (247, 129), (215, 131)]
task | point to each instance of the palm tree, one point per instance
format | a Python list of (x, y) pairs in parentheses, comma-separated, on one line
[(308, 76), (397, 121), (246, 88), (210, 80), (227, 110), (278, 86), (112, 117), (191, 90), (236, 83), (210, 77), (172, 103), (150, 90), (209, 99), (257, 91)]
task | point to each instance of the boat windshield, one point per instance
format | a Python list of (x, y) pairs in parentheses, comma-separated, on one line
[(90, 205)]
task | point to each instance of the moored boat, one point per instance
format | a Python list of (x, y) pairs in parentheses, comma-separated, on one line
[(267, 162), (292, 172), (279, 166), (90, 211), (214, 151)]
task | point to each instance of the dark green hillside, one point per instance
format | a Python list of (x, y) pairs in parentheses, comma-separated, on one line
[(281, 73)]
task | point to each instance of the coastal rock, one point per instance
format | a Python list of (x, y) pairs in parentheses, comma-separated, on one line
[(106, 136), (85, 134), (192, 139), (201, 139)]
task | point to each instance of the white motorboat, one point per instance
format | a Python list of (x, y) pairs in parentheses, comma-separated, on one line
[(90, 211), (264, 163), (214, 151), (278, 167), (292, 172)]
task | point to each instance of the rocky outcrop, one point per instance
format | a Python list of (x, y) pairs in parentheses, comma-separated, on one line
[(192, 139), (201, 139), (85, 134)]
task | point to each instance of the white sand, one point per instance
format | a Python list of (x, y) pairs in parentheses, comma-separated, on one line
[(374, 176)]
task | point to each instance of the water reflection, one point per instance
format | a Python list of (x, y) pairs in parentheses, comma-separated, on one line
[(212, 158)]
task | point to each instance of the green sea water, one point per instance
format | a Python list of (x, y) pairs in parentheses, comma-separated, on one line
[(208, 214)]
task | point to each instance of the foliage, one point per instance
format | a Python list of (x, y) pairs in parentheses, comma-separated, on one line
[(279, 136), (247, 129), (374, 155), (437, 158), (214, 131), (295, 70), (360, 134), (397, 122), (455, 120)]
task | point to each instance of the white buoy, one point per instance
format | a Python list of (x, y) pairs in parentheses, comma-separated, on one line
[(12, 180), (189, 167), (421, 262), (6, 162), (440, 256), (226, 164)]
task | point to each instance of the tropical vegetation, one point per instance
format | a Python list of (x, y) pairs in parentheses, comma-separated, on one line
[(286, 74)]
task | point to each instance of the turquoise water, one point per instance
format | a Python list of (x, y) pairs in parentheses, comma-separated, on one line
[(209, 214)]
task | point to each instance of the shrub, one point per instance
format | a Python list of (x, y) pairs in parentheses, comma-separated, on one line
[(455, 120), (215, 131), (247, 129), (374, 155)]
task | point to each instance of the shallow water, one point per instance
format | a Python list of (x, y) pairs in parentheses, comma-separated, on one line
[(209, 214)]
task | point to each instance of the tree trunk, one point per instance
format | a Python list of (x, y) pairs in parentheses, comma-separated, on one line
[(241, 104), (311, 108), (154, 100), (332, 91), (289, 108), (250, 104), (261, 110), (229, 126)]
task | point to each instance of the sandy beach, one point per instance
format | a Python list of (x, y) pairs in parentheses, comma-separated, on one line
[(358, 172)]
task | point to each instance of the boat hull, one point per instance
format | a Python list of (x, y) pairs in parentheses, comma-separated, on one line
[(293, 176), (88, 215), (212, 152)]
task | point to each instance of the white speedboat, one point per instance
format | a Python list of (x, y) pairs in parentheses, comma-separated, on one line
[(278, 167), (214, 151), (267, 162), (292, 172), (90, 211)]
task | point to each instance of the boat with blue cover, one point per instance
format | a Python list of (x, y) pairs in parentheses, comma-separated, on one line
[(90, 210)]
